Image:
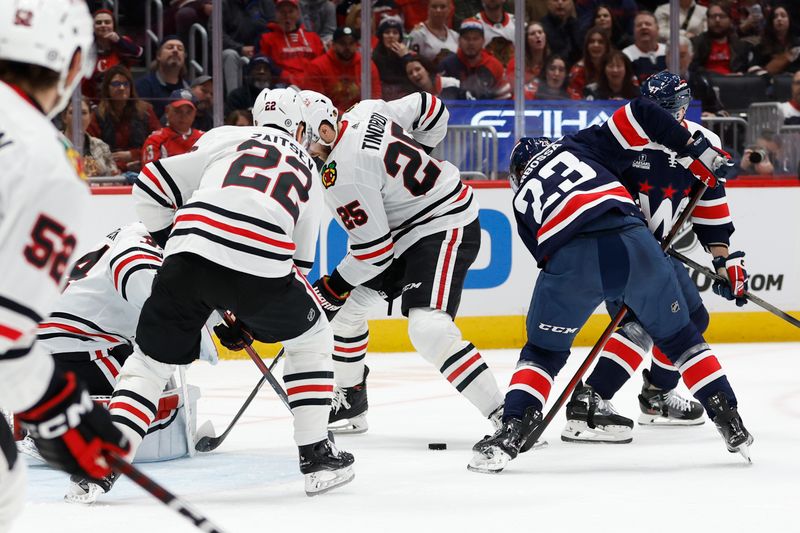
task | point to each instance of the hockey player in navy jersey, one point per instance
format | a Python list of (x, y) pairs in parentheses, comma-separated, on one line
[(661, 187), (591, 241)]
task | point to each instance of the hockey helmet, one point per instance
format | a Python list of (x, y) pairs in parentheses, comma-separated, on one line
[(669, 91), (48, 33), (521, 155), (318, 110), (279, 108)]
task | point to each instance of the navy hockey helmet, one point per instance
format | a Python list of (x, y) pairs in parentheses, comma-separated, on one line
[(669, 91), (523, 152)]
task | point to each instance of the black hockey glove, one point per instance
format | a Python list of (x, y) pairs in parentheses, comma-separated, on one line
[(732, 269), (710, 165), (330, 301), (234, 337), (71, 431)]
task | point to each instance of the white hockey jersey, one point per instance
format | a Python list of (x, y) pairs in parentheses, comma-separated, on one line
[(384, 189), (107, 287), (245, 198), (42, 204)]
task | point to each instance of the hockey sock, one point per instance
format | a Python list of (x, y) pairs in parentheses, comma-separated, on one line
[(663, 373), (618, 361), (530, 386), (308, 377), (134, 403), (704, 376), (349, 353)]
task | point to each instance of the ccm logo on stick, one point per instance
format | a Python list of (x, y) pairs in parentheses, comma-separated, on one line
[(556, 329)]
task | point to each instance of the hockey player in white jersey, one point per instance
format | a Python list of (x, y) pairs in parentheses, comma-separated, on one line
[(413, 232), (45, 51), (241, 215)]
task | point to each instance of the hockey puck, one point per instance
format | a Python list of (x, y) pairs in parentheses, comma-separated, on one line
[(437, 446)]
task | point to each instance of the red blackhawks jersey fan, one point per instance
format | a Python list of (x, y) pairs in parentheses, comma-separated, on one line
[(413, 232)]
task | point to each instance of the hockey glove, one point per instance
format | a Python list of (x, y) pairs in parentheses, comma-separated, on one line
[(732, 269), (234, 337), (710, 165), (71, 431), (328, 299)]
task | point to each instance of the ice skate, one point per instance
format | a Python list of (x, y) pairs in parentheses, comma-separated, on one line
[(594, 420), (730, 426), (86, 491), (349, 408), (325, 467), (493, 452), (28, 448), (496, 417), (666, 407)]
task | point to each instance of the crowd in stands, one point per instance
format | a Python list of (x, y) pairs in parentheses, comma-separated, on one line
[(573, 49)]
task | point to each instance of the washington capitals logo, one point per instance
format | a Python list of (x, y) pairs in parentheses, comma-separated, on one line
[(329, 174)]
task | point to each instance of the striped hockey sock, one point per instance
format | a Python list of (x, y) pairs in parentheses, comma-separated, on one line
[(618, 361), (468, 373), (530, 386), (704, 376), (663, 373), (309, 385), (349, 353)]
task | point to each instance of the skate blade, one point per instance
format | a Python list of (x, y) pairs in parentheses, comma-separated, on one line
[(490, 461), (352, 426), (321, 482), (75, 494), (663, 421), (580, 432), (744, 450), (27, 448)]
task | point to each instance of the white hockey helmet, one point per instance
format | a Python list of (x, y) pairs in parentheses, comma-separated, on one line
[(279, 108), (47, 33), (318, 109)]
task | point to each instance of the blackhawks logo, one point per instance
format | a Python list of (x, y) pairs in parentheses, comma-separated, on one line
[(329, 174), (74, 158)]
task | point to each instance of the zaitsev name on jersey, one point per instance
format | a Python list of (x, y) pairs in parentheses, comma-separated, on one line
[(662, 195), (212, 201), (42, 210), (387, 191), (576, 179), (108, 286)]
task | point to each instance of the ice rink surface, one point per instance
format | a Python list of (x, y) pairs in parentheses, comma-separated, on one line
[(668, 479)]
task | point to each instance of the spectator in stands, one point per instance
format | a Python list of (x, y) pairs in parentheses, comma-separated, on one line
[(380, 10), (353, 20), (388, 58), (423, 75), (465, 9), (337, 73), (478, 71), (747, 18), (498, 30), (166, 74), (779, 50), (536, 50), (603, 19), (239, 117), (261, 74), (617, 81), (647, 55), (433, 39), (178, 136), (413, 12), (701, 86), (553, 87), (181, 15), (97, 160), (203, 90), (122, 120), (718, 49), (622, 11), (562, 29), (290, 46), (319, 16), (595, 49), (692, 19), (791, 109), (243, 22), (766, 156), (112, 49)]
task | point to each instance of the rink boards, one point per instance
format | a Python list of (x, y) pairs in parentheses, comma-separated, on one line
[(499, 285)]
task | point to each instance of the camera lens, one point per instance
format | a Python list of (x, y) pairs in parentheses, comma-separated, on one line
[(755, 157)]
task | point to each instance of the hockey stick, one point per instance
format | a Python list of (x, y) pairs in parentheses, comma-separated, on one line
[(208, 443), (166, 497), (537, 430), (749, 295)]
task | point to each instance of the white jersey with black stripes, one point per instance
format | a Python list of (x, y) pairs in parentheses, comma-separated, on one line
[(42, 206), (106, 290), (383, 187), (245, 198)]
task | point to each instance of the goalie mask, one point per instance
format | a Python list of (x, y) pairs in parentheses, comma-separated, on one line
[(319, 109), (525, 149)]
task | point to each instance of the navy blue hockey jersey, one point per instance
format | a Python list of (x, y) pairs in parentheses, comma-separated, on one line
[(577, 178), (661, 186)]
